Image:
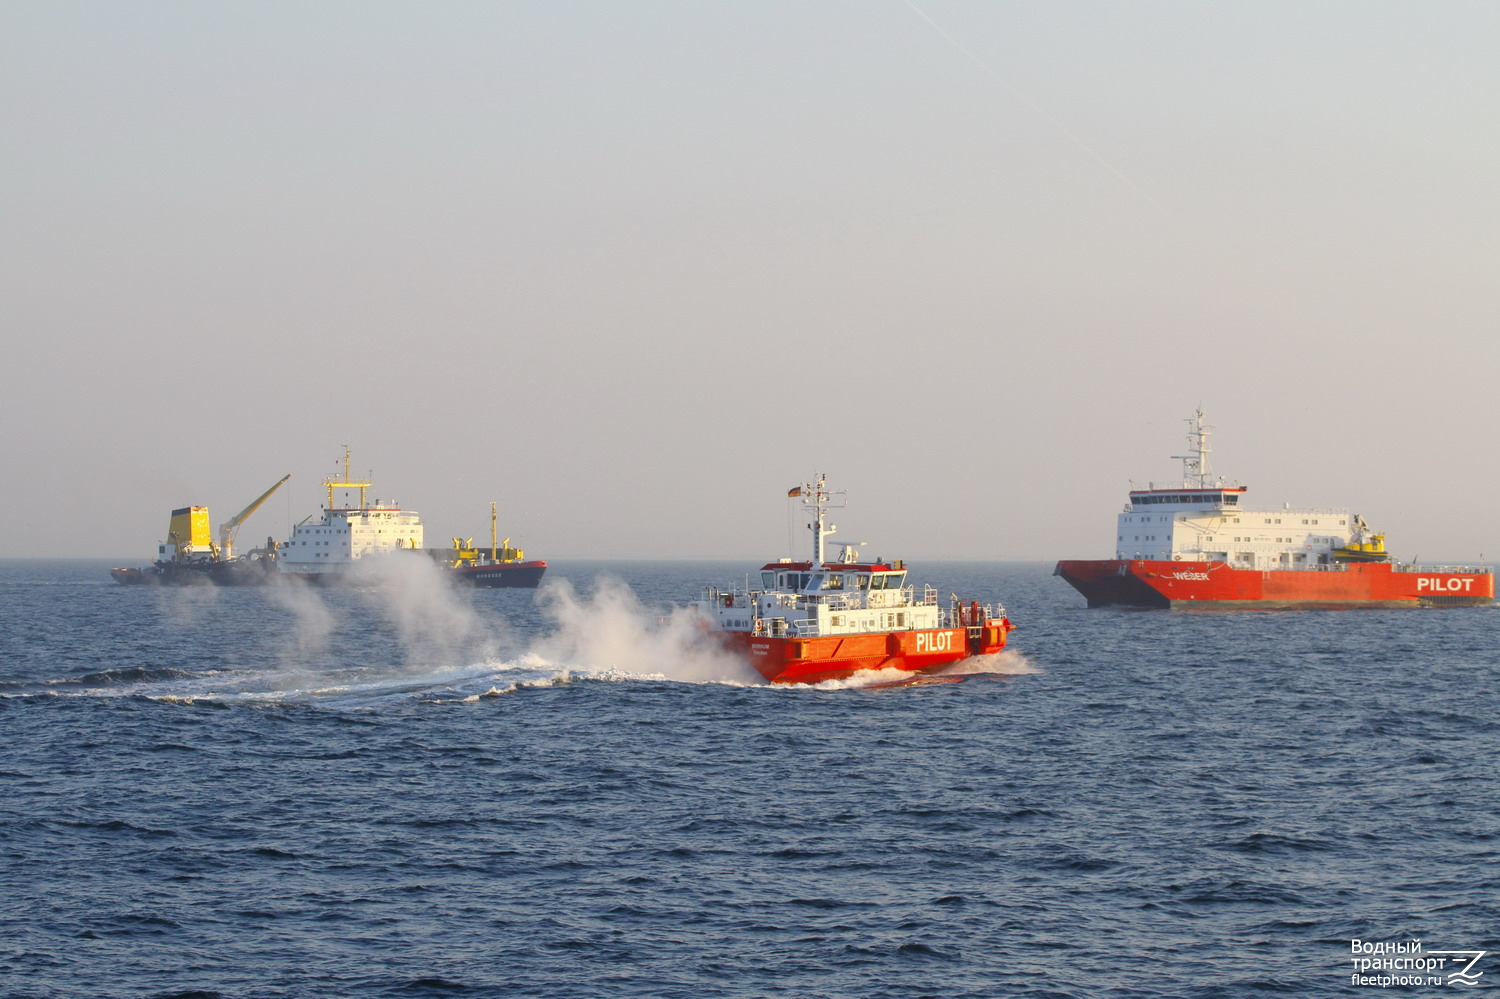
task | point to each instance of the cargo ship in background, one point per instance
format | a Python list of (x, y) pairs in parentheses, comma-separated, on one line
[(1198, 544), (816, 620), (325, 550), (502, 566), (191, 557), (329, 549)]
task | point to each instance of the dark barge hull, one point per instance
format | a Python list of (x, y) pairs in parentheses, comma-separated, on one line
[(515, 575), (247, 572)]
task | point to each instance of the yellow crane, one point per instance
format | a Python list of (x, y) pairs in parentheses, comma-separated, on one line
[(228, 529)]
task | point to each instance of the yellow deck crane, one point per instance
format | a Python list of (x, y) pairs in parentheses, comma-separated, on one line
[(230, 527)]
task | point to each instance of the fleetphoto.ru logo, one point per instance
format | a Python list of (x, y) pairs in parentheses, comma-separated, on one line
[(1387, 964)]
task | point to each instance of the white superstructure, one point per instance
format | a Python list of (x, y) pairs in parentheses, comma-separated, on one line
[(346, 534), (1204, 519), (843, 597)]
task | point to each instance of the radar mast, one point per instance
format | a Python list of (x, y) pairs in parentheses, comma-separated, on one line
[(816, 497), (1196, 472)]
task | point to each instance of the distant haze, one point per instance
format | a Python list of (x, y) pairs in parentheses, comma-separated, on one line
[(632, 270)]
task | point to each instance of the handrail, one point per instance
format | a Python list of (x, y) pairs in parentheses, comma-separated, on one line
[(1269, 565), (1481, 570)]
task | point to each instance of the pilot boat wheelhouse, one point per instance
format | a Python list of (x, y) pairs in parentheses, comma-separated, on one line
[(815, 620)]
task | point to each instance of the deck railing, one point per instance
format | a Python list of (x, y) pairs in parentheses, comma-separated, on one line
[(1269, 565)]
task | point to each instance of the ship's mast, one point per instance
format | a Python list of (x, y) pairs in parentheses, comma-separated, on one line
[(1195, 467), (347, 483), (492, 530), (816, 497)]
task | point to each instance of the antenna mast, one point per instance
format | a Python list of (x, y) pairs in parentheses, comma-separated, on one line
[(817, 497), (1195, 467), (347, 483)]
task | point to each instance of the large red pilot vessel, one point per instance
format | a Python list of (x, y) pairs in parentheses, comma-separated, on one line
[(1197, 544), (816, 620)]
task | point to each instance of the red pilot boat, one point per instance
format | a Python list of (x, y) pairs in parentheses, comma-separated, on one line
[(1197, 544), (818, 620)]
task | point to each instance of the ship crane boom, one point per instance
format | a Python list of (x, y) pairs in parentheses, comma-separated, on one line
[(230, 527)]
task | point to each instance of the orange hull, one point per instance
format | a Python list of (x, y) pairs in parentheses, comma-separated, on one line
[(834, 657), (1210, 585)]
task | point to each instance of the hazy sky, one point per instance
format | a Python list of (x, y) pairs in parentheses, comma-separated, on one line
[(632, 269)]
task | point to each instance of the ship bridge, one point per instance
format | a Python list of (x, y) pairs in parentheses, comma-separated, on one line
[(810, 577), (1188, 496)]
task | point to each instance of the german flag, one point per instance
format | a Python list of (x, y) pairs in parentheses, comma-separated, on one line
[(794, 491)]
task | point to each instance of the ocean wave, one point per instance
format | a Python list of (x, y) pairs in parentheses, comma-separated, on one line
[(131, 674)]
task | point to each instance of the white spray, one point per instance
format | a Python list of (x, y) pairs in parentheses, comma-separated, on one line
[(434, 623), (612, 631)]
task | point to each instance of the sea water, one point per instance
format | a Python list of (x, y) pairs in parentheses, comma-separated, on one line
[(412, 791)]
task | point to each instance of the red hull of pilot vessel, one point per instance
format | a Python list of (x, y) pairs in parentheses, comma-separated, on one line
[(1211, 585), (834, 657)]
